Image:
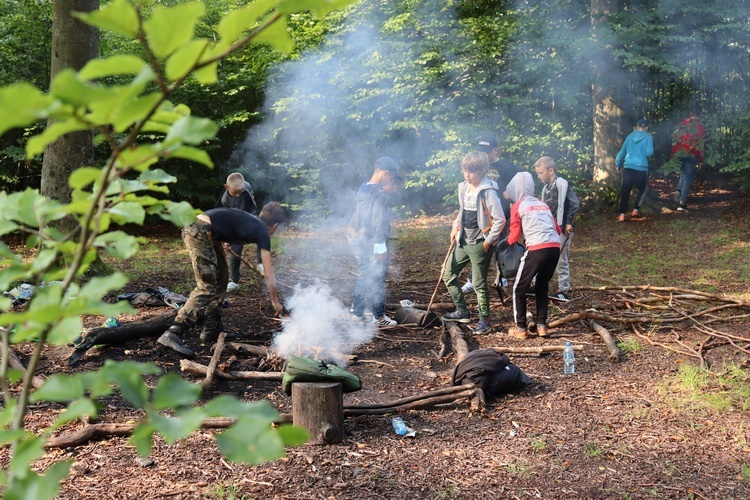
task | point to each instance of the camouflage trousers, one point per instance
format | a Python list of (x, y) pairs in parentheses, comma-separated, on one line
[(211, 276)]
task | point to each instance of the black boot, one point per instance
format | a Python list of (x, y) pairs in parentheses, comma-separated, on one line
[(211, 330), (171, 338)]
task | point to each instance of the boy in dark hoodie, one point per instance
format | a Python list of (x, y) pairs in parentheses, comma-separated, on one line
[(633, 157), (476, 229), (532, 218), (368, 234), (238, 193)]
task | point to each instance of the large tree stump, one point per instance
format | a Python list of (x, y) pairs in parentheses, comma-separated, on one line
[(319, 408)]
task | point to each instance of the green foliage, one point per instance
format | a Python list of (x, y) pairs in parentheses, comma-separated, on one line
[(128, 102), (696, 389)]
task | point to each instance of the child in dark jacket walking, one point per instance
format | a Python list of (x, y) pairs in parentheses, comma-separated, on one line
[(532, 218)]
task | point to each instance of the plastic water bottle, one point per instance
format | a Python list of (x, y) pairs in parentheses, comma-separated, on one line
[(399, 426), (569, 359)]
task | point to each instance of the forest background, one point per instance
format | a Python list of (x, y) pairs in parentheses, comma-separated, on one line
[(421, 80)]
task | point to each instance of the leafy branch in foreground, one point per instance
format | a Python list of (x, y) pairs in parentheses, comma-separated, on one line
[(122, 191)]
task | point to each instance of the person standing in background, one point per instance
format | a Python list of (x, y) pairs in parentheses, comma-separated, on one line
[(687, 145), (632, 160), (238, 193)]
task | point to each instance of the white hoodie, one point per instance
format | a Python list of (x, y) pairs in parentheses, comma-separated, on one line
[(530, 216)]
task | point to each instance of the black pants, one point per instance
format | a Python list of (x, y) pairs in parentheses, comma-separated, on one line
[(540, 263), (631, 178)]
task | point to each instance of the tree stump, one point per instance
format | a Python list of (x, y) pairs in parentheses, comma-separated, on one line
[(319, 408)]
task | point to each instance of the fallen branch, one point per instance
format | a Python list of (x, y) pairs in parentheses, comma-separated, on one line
[(14, 362), (614, 351), (422, 402), (188, 366), (459, 344), (211, 369), (534, 350), (438, 392), (241, 349)]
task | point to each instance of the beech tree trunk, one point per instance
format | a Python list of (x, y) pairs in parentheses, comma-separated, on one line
[(73, 45), (608, 90), (319, 408)]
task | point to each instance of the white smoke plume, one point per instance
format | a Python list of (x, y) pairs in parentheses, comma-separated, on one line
[(320, 327)]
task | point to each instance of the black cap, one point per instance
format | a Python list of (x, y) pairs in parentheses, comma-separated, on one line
[(643, 123), (487, 143), (389, 164)]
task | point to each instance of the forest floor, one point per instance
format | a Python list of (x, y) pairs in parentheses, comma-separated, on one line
[(650, 426)]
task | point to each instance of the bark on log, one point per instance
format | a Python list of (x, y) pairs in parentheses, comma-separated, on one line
[(416, 405), (399, 402), (614, 351), (459, 344), (211, 370), (14, 362), (150, 327), (247, 350), (188, 366), (319, 408), (535, 350)]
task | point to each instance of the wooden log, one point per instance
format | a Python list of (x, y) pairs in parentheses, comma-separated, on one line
[(414, 316), (127, 332), (422, 403), (188, 366), (212, 366), (459, 344), (399, 402), (614, 351), (534, 350), (241, 349), (14, 362), (319, 408)]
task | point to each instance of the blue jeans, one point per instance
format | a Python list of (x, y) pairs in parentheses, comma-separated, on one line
[(687, 174), (369, 291)]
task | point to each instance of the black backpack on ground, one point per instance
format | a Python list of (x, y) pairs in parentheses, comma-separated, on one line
[(492, 371)]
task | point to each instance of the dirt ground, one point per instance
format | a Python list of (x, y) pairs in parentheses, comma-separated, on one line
[(609, 431)]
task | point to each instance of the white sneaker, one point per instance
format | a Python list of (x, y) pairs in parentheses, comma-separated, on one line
[(232, 286), (468, 287), (384, 321)]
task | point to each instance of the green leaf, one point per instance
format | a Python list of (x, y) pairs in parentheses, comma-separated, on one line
[(171, 27), (251, 440), (75, 411), (119, 16), (7, 226), (60, 388), (180, 427), (43, 260), (27, 450), (180, 214), (142, 438), (207, 75), (114, 65), (38, 487), (277, 36), (118, 244), (132, 386), (231, 407), (157, 175), (192, 154), (83, 177), (185, 59), (235, 23), (134, 110), (21, 104), (126, 212), (173, 391), (139, 158), (99, 286), (65, 331), (318, 7), (36, 144), (70, 89), (293, 435), (191, 130)]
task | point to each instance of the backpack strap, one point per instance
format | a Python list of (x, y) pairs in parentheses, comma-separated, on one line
[(487, 213)]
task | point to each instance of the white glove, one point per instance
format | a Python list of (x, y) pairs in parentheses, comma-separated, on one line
[(261, 269), (379, 248)]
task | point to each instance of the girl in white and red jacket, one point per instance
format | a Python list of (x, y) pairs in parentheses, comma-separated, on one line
[(532, 218)]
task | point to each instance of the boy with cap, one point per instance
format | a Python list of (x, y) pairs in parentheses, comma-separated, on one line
[(205, 239), (368, 234), (501, 171), (563, 203), (633, 157), (238, 193)]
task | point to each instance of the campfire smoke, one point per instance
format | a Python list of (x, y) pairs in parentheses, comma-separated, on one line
[(320, 327)]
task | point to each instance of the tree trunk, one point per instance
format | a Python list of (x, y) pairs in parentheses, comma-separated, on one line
[(73, 45), (609, 94), (319, 408)]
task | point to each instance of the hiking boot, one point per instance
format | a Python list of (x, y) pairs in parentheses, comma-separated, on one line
[(635, 213), (682, 208), (518, 332), (676, 197), (213, 337), (174, 342), (384, 321), (560, 296), (211, 330), (621, 218), (483, 327), (541, 330), (468, 287), (457, 316), (232, 286)]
